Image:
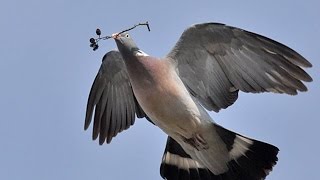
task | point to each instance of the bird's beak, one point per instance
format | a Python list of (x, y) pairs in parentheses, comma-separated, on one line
[(115, 35)]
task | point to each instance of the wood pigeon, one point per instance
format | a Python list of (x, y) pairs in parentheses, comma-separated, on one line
[(204, 71)]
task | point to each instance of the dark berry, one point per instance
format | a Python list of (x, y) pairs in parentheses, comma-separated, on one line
[(92, 40), (95, 47), (98, 32)]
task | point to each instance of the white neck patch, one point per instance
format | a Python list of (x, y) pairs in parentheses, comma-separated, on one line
[(140, 53)]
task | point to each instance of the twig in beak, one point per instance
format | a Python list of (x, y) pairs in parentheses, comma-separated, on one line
[(94, 41)]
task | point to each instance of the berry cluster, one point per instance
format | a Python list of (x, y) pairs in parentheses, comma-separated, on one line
[(94, 42)]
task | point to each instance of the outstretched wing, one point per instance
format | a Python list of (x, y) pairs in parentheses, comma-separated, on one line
[(112, 100), (215, 61)]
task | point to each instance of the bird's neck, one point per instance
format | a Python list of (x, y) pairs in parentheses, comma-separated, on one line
[(142, 69)]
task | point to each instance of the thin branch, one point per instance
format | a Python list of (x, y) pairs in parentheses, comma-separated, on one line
[(94, 41), (136, 25)]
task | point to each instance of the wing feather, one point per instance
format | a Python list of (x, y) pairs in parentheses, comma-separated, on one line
[(111, 100), (215, 61)]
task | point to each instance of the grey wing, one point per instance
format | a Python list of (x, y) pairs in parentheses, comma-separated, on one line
[(111, 100), (215, 61)]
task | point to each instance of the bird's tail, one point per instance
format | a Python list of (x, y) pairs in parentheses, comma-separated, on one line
[(229, 156), (248, 158)]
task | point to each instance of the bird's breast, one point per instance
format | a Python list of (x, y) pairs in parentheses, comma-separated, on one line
[(164, 98)]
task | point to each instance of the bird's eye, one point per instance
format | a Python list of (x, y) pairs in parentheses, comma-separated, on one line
[(127, 35)]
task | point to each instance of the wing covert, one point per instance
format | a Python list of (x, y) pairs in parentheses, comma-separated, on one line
[(215, 61), (111, 100)]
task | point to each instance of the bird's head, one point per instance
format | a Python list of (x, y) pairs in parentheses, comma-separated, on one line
[(125, 44)]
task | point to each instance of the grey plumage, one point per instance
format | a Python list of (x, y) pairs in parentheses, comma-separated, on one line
[(112, 98), (207, 68), (214, 61)]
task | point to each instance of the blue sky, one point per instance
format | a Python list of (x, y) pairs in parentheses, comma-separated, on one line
[(47, 68)]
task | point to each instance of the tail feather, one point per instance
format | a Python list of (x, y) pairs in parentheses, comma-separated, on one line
[(255, 159), (248, 159), (178, 165)]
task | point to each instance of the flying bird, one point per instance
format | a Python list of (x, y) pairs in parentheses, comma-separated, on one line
[(204, 71)]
